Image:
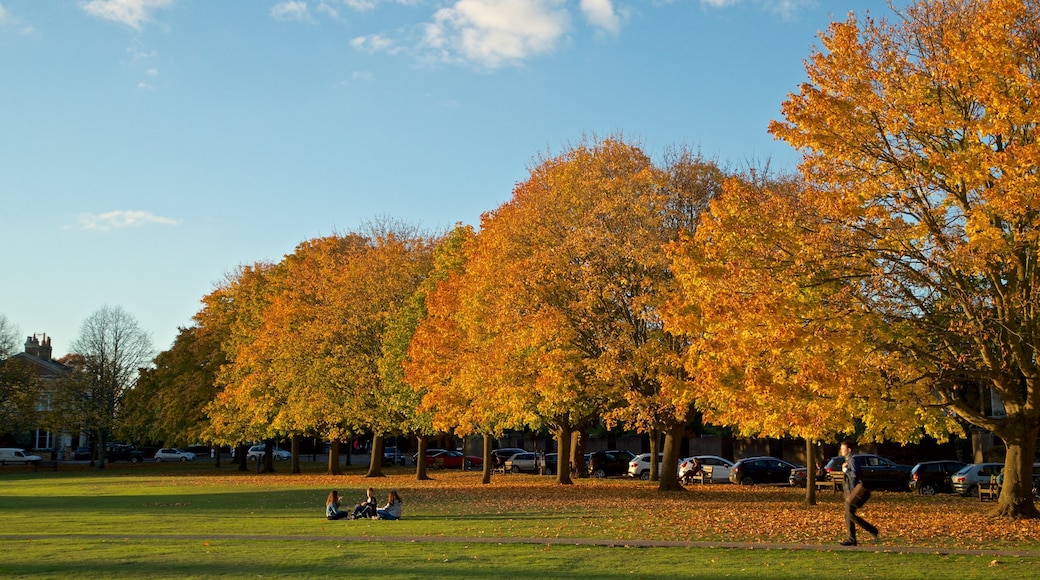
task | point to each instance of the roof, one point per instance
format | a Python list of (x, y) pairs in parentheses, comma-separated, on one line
[(45, 368)]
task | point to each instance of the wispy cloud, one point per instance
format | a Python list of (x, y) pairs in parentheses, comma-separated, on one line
[(120, 219), (133, 13), (495, 33), (785, 8), (291, 11), (601, 14)]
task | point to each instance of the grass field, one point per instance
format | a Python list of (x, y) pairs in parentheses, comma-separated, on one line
[(194, 520)]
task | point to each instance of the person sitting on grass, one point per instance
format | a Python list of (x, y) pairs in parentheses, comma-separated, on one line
[(392, 509), (367, 508), (332, 507)]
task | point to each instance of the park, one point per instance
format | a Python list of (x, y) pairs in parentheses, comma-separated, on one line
[(197, 520)]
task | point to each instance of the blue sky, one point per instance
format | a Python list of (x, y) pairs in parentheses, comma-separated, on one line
[(150, 146)]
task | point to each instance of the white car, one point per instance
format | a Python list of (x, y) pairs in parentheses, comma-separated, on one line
[(173, 454), (257, 451), (967, 480), (13, 455), (719, 468), (639, 467)]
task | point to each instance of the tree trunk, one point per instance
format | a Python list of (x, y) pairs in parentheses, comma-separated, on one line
[(655, 448), (333, 464), (670, 462), (420, 458), (268, 456), (240, 457), (563, 452), (102, 443), (1016, 493), (295, 446), (375, 463), (811, 453), (579, 439), (485, 474)]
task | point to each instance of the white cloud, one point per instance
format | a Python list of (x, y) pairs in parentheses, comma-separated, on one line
[(133, 13), (3, 13), (121, 219), (373, 43), (291, 10), (601, 14), (495, 33)]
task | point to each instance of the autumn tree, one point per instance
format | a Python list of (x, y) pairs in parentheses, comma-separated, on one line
[(920, 143), (555, 316), (783, 345), (114, 348), (235, 309), (168, 403)]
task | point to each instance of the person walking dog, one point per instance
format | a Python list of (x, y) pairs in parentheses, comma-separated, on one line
[(856, 495)]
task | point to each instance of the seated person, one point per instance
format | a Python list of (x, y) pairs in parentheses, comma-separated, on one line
[(392, 509), (367, 508), (332, 507)]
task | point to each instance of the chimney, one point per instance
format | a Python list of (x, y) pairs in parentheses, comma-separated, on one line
[(32, 346), (45, 348)]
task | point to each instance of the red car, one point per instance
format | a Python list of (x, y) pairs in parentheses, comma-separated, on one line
[(453, 459)]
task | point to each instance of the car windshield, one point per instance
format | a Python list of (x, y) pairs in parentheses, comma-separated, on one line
[(964, 470)]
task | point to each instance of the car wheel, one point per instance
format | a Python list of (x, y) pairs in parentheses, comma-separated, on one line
[(549, 471), (466, 465), (599, 473), (926, 490), (747, 480), (686, 478), (973, 491), (515, 469), (158, 459), (645, 476), (184, 458), (134, 459)]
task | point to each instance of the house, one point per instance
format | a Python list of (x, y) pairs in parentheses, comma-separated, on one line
[(49, 372)]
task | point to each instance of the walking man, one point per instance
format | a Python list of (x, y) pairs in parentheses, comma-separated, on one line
[(856, 495)]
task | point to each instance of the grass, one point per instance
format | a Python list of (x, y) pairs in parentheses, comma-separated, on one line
[(192, 520)]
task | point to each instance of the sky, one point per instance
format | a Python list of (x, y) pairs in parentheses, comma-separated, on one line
[(150, 147)]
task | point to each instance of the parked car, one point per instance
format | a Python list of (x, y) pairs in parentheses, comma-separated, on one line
[(530, 462), (453, 460), (720, 467), (604, 463), (877, 472), (83, 454), (799, 475), (13, 455), (931, 477), (173, 454), (752, 470), (499, 456), (639, 467), (967, 480), (122, 452), (257, 451), (393, 456)]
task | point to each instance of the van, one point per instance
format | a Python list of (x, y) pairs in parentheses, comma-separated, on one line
[(13, 455)]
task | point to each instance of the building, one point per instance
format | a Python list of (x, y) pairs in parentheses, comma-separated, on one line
[(49, 372)]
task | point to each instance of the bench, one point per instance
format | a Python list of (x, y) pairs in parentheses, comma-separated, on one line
[(835, 481), (705, 475), (989, 491)]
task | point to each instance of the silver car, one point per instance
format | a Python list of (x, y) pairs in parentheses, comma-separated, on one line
[(967, 480)]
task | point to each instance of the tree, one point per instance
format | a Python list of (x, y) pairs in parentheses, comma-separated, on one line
[(168, 403), (783, 345), (114, 349), (920, 143), (8, 338)]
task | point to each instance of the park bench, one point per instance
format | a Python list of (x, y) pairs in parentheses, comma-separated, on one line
[(989, 491), (835, 481), (705, 475)]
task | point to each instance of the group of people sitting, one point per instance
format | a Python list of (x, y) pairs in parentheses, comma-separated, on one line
[(366, 509)]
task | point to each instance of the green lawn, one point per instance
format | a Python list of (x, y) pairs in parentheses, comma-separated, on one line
[(183, 521)]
